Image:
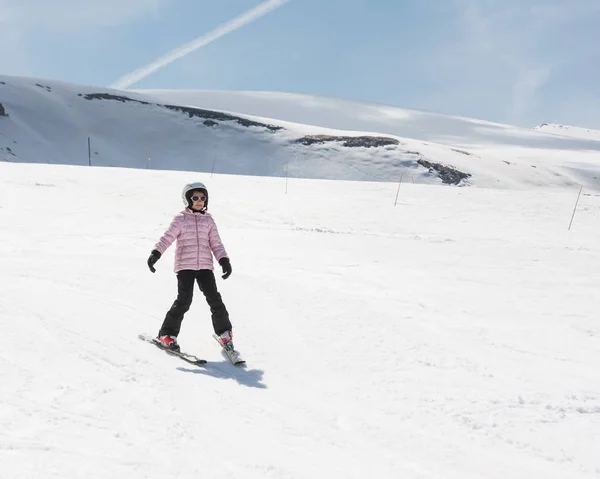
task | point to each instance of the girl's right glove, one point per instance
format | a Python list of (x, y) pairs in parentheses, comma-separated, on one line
[(154, 257), (226, 265)]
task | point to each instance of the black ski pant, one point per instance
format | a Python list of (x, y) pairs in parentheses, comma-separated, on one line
[(185, 291)]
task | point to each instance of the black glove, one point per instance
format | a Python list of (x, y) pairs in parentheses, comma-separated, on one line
[(154, 257), (226, 265)]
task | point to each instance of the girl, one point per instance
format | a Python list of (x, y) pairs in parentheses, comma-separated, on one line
[(197, 240)]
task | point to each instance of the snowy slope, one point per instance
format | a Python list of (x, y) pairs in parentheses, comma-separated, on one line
[(454, 335), (571, 131), (50, 122), (362, 116), (487, 139), (500, 156)]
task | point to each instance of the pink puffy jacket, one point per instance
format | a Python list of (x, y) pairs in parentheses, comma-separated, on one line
[(196, 236)]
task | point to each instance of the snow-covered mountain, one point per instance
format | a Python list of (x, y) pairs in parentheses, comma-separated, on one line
[(276, 134)]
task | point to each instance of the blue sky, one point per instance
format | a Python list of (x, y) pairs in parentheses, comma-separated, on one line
[(522, 62)]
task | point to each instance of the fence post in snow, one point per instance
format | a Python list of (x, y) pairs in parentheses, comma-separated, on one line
[(89, 151), (287, 165), (398, 191), (574, 209), (213, 168)]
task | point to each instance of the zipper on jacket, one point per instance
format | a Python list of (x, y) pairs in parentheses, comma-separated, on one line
[(198, 244)]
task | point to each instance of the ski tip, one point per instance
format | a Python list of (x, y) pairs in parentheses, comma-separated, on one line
[(189, 358)]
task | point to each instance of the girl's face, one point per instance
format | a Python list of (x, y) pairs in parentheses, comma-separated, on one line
[(198, 199)]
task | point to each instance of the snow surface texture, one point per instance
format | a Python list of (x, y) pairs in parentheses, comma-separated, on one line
[(454, 335), (50, 122)]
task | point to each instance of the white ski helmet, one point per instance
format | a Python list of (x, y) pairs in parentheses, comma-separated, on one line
[(186, 193)]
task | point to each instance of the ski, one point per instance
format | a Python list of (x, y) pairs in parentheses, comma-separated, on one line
[(190, 358), (233, 355)]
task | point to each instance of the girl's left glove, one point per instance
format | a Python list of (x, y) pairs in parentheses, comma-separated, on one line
[(154, 257), (226, 265)]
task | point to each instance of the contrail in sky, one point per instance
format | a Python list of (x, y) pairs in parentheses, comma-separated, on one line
[(244, 19)]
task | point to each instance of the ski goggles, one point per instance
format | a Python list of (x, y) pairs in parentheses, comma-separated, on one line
[(196, 198)]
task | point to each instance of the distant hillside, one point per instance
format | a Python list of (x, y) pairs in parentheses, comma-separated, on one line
[(570, 131), (54, 122)]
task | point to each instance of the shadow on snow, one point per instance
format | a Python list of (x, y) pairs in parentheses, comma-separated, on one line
[(251, 378)]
